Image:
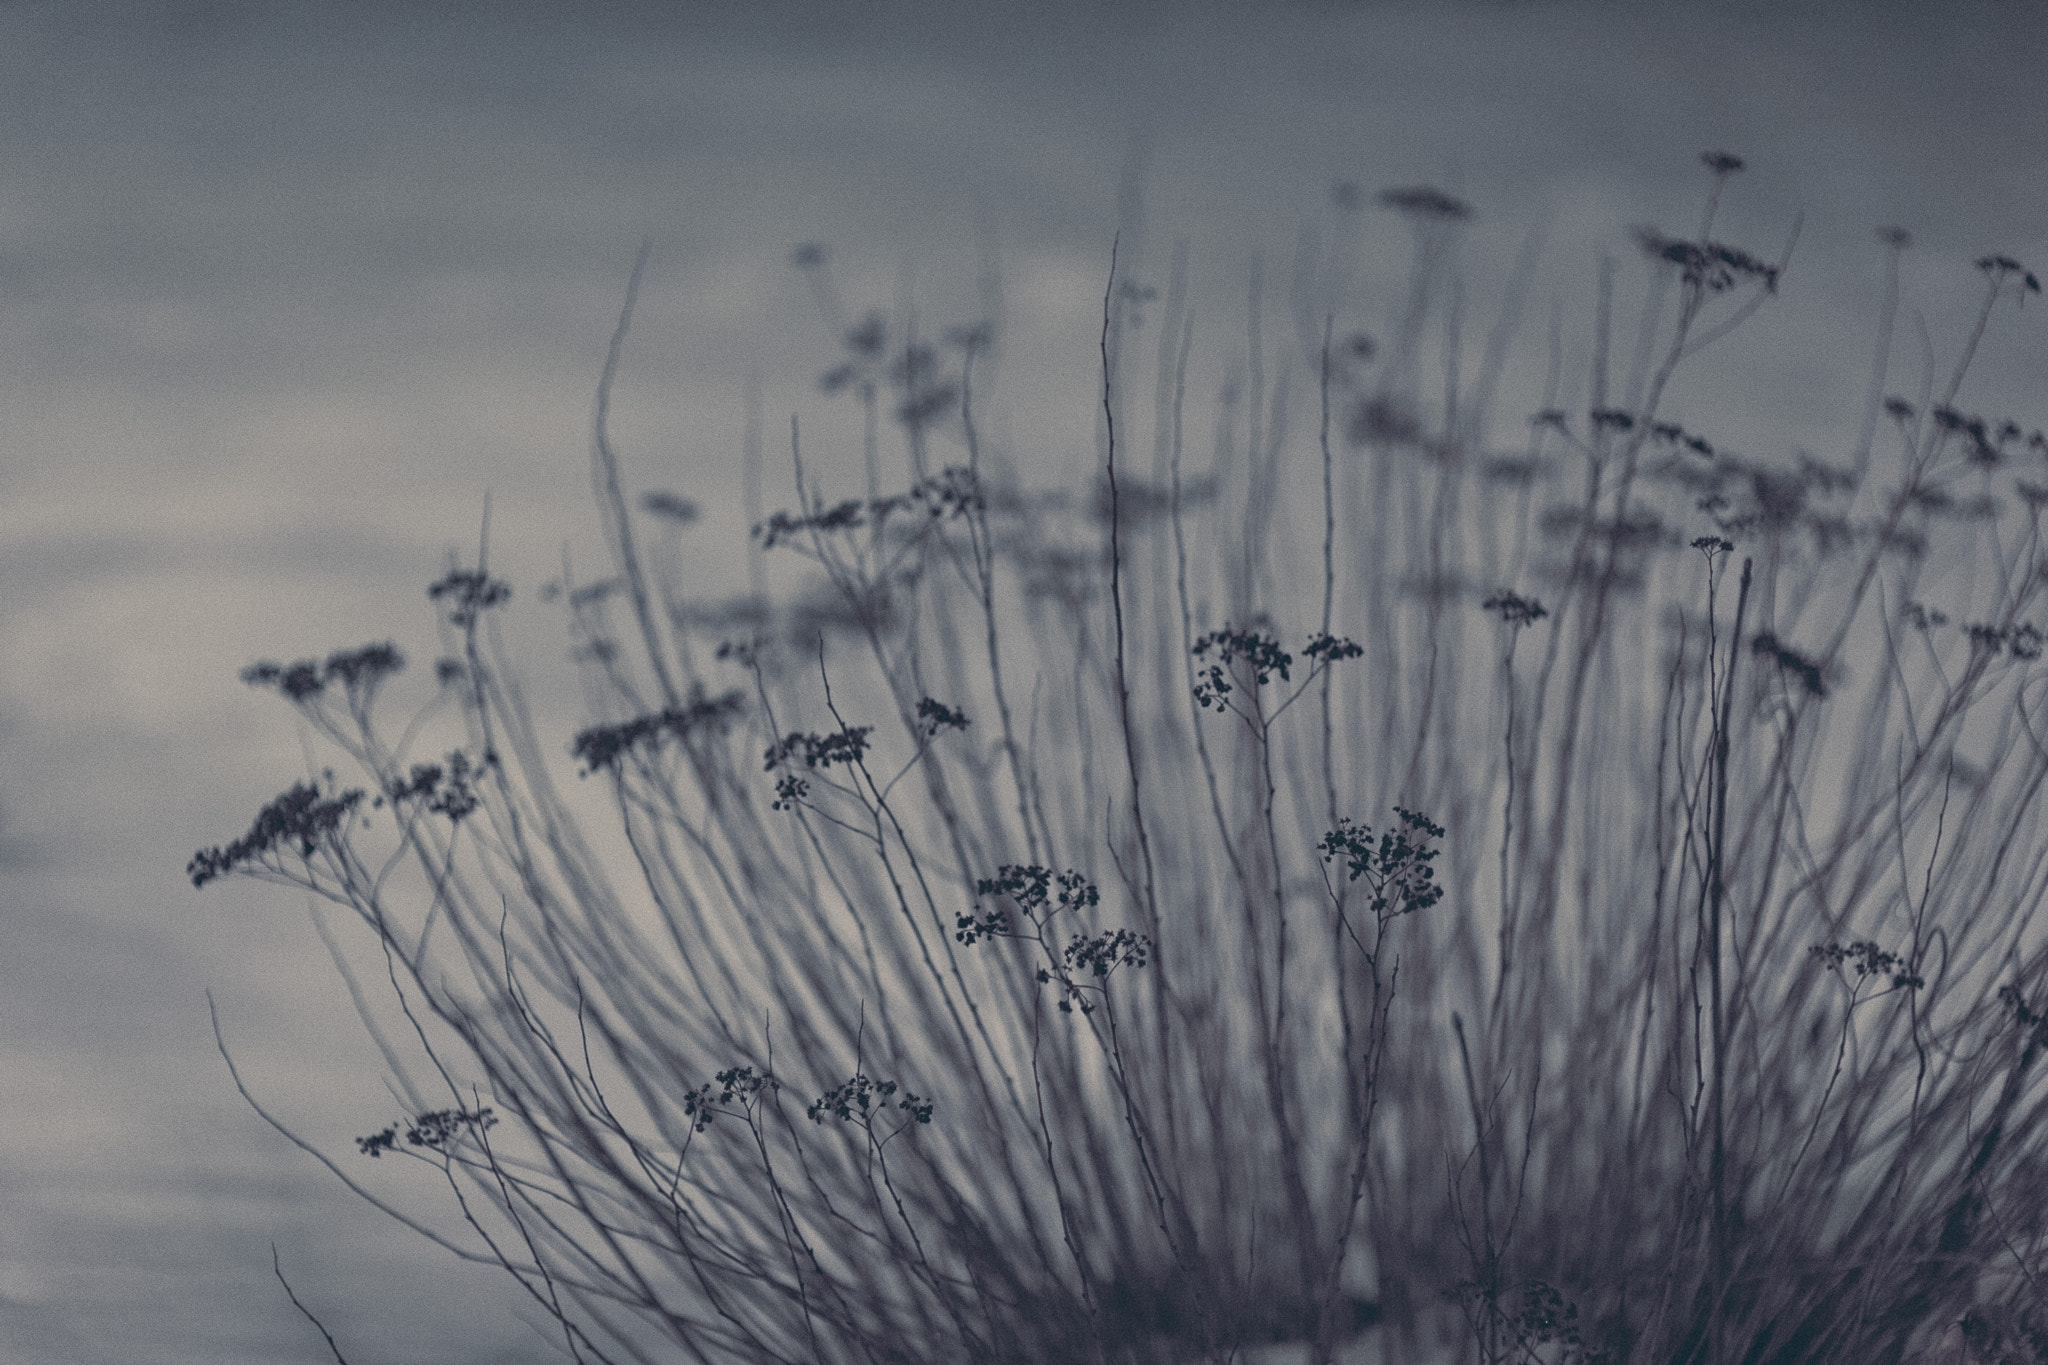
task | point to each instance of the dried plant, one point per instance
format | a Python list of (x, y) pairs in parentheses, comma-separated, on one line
[(1617, 954)]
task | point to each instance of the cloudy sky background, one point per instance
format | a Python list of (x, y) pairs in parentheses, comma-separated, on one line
[(285, 289)]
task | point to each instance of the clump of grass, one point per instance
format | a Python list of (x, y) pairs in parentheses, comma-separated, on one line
[(1609, 935)]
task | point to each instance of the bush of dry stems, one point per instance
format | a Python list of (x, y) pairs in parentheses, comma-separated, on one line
[(1379, 891)]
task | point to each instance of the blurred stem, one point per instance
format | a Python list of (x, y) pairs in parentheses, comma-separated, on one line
[(1716, 896)]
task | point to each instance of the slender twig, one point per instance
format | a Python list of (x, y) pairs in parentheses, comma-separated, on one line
[(278, 1268)]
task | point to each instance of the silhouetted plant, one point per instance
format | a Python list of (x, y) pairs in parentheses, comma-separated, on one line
[(1687, 1011)]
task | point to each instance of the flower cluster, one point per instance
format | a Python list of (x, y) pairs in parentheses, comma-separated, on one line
[(1865, 959), (1039, 894), (846, 746), (303, 816), (1033, 889), (1095, 955), (734, 1084), (1515, 609), (434, 1130), (1990, 442), (861, 1097), (955, 492), (2022, 641), (1672, 434), (1262, 655), (449, 791), (820, 751), (934, 716), (1712, 266), (605, 746), (1105, 952), (471, 592), (2000, 268), (1328, 649), (1396, 867), (972, 927), (1919, 616), (358, 671), (783, 527)]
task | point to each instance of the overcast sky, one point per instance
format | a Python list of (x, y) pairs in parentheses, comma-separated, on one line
[(286, 288)]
